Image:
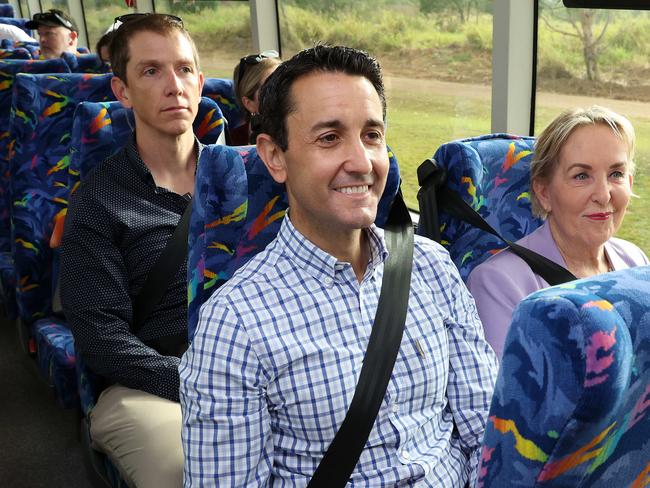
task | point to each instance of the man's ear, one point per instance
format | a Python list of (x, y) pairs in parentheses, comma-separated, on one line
[(201, 82), (121, 91), (74, 36), (273, 157)]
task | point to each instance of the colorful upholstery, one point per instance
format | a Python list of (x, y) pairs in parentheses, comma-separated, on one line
[(236, 211), (101, 129), (8, 71), (86, 63), (33, 47), (44, 106), (56, 359), (15, 53), (572, 400), (8, 288), (491, 173), (222, 91), (7, 10), (40, 191)]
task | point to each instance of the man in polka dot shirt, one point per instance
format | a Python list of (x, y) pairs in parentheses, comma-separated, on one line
[(118, 224)]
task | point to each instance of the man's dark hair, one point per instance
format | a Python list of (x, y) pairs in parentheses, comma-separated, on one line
[(275, 96), (162, 24), (105, 40)]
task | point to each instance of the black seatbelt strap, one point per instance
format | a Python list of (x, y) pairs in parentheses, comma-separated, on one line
[(343, 453), (434, 194), (163, 271)]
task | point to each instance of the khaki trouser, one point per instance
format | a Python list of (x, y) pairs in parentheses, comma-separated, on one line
[(141, 435)]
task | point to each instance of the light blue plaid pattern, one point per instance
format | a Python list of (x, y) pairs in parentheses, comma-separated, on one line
[(275, 361)]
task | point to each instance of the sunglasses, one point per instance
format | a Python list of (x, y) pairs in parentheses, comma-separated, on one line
[(123, 19), (53, 17), (253, 59)]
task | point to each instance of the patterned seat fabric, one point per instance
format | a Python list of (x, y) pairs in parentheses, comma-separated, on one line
[(571, 406), (222, 91), (236, 211), (7, 10), (85, 63), (56, 358), (44, 106), (101, 129), (491, 173), (8, 288), (8, 71), (15, 53)]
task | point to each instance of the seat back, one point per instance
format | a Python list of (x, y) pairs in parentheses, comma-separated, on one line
[(222, 91), (85, 63), (15, 53), (491, 173), (44, 106), (237, 210), (101, 129), (572, 400), (7, 10), (8, 71)]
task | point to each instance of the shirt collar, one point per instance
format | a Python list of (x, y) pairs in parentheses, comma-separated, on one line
[(133, 155), (319, 264)]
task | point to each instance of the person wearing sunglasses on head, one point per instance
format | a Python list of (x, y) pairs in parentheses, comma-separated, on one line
[(120, 222), (57, 33), (249, 75)]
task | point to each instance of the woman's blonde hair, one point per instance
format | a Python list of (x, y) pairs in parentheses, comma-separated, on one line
[(554, 136), (251, 79)]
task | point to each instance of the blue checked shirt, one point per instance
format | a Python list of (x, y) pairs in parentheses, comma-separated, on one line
[(276, 358)]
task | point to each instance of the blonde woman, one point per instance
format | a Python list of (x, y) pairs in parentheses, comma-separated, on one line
[(249, 75), (581, 181)]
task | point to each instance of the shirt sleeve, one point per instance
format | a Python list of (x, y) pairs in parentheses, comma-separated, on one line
[(227, 437), (472, 367), (496, 294), (97, 305)]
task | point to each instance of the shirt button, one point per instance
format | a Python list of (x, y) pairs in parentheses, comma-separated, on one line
[(406, 455), (395, 408), (328, 281)]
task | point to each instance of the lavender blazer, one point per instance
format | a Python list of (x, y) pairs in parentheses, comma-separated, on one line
[(503, 280)]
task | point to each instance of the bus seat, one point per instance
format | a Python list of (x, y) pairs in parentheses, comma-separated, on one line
[(101, 129), (236, 211), (571, 405), (20, 23), (222, 91), (39, 181), (85, 63), (7, 10), (491, 173), (33, 48), (15, 53), (8, 71)]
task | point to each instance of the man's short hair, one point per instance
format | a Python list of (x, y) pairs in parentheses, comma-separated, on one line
[(52, 18), (275, 99), (162, 24)]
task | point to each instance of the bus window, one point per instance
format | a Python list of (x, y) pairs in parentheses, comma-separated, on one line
[(100, 15), (589, 56), (221, 31), (437, 62)]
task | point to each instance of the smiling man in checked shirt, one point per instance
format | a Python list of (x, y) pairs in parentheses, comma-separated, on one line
[(278, 351)]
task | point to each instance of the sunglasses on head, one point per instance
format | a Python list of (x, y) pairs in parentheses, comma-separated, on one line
[(53, 17), (254, 59), (123, 19)]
